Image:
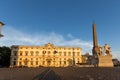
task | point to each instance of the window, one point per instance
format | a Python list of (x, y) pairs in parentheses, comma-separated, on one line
[(37, 53), (60, 62), (20, 58), (64, 53), (20, 63), (36, 62), (43, 52), (15, 53), (74, 53), (26, 61), (48, 52), (31, 62), (14, 59), (14, 63), (20, 53), (60, 53), (31, 53), (43, 62), (65, 62), (69, 53), (26, 53)]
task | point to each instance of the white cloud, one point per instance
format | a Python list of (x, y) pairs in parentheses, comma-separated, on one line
[(70, 36), (16, 37)]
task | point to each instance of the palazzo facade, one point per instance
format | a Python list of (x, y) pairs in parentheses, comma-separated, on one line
[(46, 56)]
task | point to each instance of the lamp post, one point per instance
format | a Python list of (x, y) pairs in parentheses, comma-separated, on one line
[(1, 24)]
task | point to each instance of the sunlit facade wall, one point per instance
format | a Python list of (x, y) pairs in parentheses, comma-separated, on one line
[(46, 56)]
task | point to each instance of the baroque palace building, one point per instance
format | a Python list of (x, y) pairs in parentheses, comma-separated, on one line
[(46, 56)]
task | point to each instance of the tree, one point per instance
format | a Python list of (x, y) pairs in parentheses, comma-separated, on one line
[(5, 53)]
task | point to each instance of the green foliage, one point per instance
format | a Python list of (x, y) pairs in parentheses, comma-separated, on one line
[(5, 53)]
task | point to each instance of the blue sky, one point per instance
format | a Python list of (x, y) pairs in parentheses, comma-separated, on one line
[(62, 22)]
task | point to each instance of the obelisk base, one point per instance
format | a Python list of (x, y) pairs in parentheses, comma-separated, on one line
[(105, 61)]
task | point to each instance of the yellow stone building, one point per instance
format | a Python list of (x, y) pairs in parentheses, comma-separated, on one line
[(47, 56)]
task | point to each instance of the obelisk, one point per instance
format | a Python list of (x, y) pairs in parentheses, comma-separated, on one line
[(95, 42), (99, 59), (95, 50)]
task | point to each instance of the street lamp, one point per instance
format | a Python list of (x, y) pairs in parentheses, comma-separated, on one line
[(1, 24)]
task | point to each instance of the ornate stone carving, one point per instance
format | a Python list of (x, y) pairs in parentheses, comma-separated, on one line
[(49, 45), (107, 49)]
